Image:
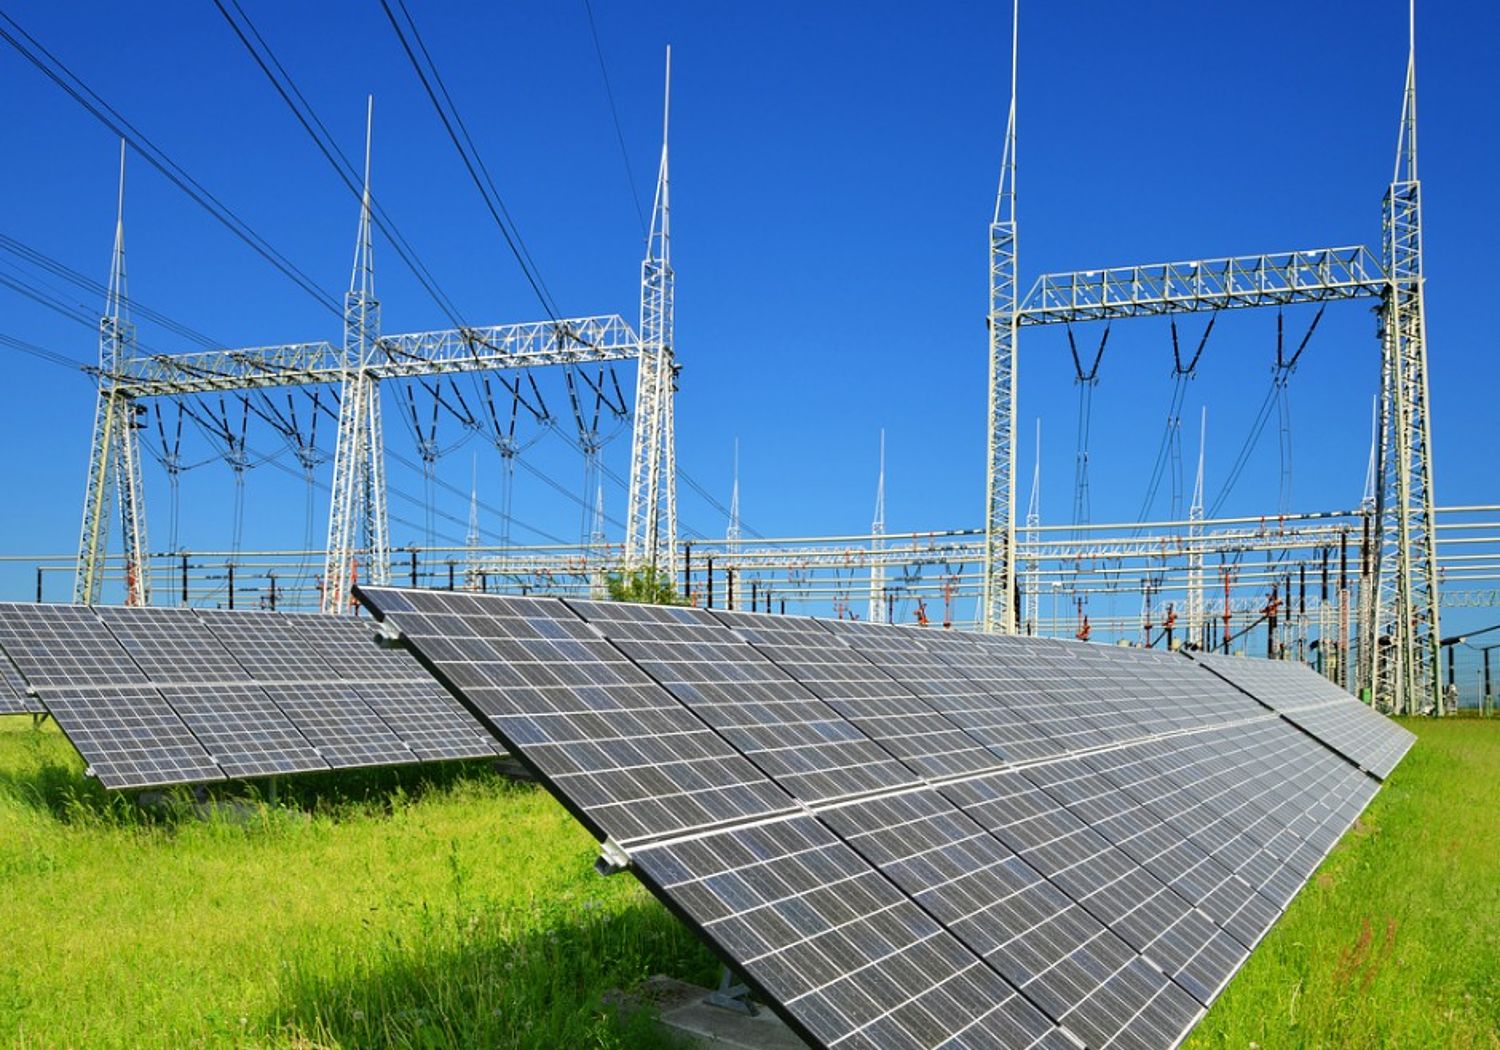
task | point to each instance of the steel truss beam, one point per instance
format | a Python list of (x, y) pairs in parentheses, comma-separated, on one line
[(1273, 279), (578, 340)]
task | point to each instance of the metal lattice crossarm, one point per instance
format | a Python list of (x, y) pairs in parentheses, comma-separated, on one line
[(1276, 279), (535, 343)]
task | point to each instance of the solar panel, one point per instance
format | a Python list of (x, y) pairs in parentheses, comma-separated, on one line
[(980, 841), (627, 758), (990, 712), (1124, 896), (157, 696), (1311, 702), (171, 646), (850, 684), (64, 646), (368, 705), (851, 961), (800, 742), (244, 733), (1057, 954), (130, 737)]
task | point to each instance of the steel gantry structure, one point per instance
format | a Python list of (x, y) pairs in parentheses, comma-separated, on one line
[(357, 531), (1399, 650)]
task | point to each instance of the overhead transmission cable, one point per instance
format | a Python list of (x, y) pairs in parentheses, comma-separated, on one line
[(58, 72), (1169, 452), (1281, 374), (635, 195), (473, 163)]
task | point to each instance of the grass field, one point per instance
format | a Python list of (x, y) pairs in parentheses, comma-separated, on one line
[(463, 911)]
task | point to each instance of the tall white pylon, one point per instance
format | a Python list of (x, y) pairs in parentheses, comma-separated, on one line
[(998, 604), (1195, 548), (876, 613), (1400, 647), (115, 459), (732, 532), (357, 524), (651, 517), (1034, 536)]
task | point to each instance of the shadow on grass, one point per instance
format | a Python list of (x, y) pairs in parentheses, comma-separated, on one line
[(51, 778), (530, 976)]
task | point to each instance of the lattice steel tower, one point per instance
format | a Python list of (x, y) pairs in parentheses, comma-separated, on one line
[(651, 518), (998, 610), (1400, 647), (115, 457), (357, 522)]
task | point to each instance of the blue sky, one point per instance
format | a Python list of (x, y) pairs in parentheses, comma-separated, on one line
[(834, 170)]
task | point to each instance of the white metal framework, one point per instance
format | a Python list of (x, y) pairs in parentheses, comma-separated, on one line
[(357, 520), (358, 534), (651, 520), (1401, 650), (1400, 643), (115, 455), (998, 601)]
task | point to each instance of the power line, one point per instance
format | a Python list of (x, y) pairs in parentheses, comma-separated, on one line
[(495, 206), (328, 147), (635, 195), (59, 73)]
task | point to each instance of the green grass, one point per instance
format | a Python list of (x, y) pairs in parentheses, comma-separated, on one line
[(1396, 941), (450, 908), (458, 913)]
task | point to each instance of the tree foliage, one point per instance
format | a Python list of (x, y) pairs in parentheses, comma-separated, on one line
[(647, 585)]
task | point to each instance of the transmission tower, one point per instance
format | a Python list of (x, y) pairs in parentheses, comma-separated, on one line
[(1034, 537), (732, 532), (651, 517), (998, 611), (1195, 544), (1401, 643), (115, 455), (876, 611), (357, 509)]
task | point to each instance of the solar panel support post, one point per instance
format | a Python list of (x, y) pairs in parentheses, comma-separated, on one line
[(731, 995), (710, 575), (39, 585), (229, 572)]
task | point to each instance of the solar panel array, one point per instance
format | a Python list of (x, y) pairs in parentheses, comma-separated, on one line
[(152, 697), (909, 838), (1307, 699)]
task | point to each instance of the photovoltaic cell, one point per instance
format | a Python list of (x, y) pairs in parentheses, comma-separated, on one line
[(344, 729), (171, 646), (800, 742), (360, 696), (243, 731), (1138, 907), (851, 960), (850, 684), (1059, 956), (626, 757), (990, 713), (64, 646), (129, 736), (1310, 701)]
